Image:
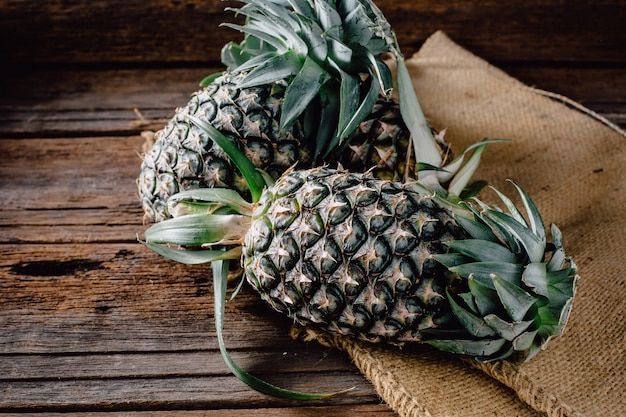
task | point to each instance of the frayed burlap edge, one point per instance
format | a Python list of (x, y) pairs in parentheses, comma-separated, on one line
[(536, 397), (447, 387), (386, 385)]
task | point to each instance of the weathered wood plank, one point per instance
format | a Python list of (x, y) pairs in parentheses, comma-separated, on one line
[(68, 225), (170, 364), (118, 297), (92, 102), (70, 173), (161, 31), (81, 306), (70, 234), (173, 393), (113, 102), (78, 321), (370, 410), (105, 298)]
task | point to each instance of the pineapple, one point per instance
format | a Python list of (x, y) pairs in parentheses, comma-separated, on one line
[(378, 260), (368, 255), (384, 261), (307, 85)]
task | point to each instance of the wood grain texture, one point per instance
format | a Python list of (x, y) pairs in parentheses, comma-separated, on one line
[(94, 324), (100, 102), (66, 32), (369, 410)]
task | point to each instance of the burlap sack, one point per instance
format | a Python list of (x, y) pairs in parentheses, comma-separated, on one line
[(573, 167)]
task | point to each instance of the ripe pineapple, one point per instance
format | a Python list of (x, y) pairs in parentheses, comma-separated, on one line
[(384, 261), (307, 85)]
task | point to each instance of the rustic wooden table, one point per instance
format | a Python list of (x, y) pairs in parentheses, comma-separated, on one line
[(93, 323)]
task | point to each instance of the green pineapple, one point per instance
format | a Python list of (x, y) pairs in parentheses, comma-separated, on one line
[(356, 254), (390, 262), (307, 85), (378, 260)]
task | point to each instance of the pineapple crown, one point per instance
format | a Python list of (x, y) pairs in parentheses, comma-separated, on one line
[(329, 51), (518, 287)]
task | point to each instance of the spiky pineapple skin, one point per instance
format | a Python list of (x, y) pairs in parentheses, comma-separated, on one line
[(351, 254), (184, 157), (382, 144)]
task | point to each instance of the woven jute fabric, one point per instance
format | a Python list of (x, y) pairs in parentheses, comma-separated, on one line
[(574, 168)]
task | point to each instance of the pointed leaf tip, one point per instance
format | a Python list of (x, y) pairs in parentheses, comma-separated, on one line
[(220, 280), (515, 300)]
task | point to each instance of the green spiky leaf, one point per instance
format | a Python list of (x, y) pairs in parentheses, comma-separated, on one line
[(255, 61), (340, 54), (534, 216), (470, 303), (501, 233), (198, 229), (210, 78), (272, 70), (479, 348), (465, 173), (476, 228), (304, 8), (329, 19), (482, 271), (328, 113), (472, 190), (515, 300), (381, 71), (304, 87), (451, 260), (524, 341), (356, 22), (459, 172), (533, 245), (474, 324), (253, 178), (483, 250), (220, 280), (535, 276), (259, 32), (362, 111), (507, 330), (485, 298), (193, 257), (222, 196), (349, 93), (513, 211), (558, 259), (314, 37), (424, 142)]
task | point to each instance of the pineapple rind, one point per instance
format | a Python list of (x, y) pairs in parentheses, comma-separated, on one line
[(368, 272)]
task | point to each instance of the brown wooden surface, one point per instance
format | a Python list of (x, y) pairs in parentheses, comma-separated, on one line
[(94, 324), (158, 31)]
